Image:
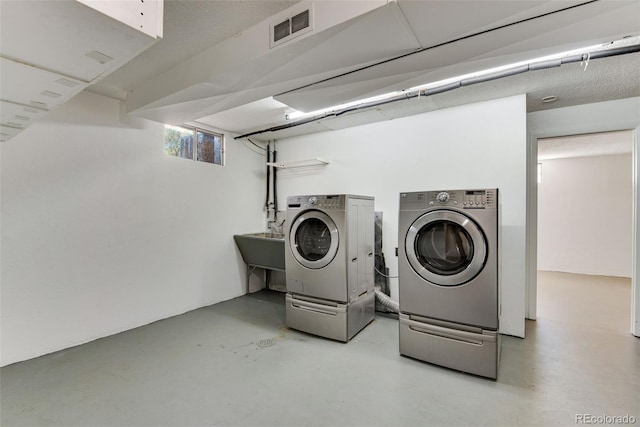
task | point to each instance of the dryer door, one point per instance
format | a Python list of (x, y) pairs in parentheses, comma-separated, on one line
[(313, 239), (446, 248)]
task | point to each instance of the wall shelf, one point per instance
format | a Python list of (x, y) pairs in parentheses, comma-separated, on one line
[(299, 163)]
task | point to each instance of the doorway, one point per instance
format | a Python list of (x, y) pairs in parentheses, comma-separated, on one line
[(585, 199), (621, 114)]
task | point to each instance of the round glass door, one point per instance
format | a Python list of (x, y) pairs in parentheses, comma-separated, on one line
[(446, 248), (313, 239)]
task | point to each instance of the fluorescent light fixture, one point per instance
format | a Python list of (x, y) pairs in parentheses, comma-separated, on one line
[(299, 114), (504, 67)]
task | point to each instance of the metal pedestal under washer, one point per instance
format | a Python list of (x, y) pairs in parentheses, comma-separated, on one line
[(329, 245), (448, 279)]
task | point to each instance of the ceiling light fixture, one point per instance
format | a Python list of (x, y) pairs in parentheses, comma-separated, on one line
[(295, 114), (548, 99), (418, 89)]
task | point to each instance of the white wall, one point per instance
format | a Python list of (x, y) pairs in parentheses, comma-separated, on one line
[(481, 145), (584, 215), (102, 233)]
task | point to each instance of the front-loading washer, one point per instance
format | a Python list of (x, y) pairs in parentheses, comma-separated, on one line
[(448, 279), (329, 264)]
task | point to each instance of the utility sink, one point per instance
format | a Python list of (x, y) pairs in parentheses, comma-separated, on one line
[(263, 235), (264, 249)]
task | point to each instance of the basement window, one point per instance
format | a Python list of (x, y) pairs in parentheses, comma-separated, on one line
[(194, 144)]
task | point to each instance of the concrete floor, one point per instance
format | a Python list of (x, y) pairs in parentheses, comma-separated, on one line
[(596, 301), (235, 364)]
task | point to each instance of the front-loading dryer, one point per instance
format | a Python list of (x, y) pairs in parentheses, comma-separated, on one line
[(448, 278), (329, 264)]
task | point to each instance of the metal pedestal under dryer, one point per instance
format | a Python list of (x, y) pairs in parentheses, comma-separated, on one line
[(329, 245), (448, 279)]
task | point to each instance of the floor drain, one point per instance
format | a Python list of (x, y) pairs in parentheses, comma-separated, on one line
[(267, 342)]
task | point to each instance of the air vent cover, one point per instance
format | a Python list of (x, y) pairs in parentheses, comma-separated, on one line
[(300, 22), (291, 27), (281, 30)]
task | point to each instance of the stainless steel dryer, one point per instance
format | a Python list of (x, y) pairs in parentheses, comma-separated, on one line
[(448, 279), (329, 244)]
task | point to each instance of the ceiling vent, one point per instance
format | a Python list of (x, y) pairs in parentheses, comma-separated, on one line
[(288, 28)]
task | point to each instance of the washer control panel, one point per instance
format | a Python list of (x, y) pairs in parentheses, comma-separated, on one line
[(462, 199), (336, 202)]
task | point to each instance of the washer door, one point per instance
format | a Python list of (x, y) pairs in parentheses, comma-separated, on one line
[(446, 248), (313, 239)]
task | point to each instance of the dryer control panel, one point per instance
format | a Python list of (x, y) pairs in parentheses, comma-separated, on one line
[(326, 202), (462, 199), (478, 199)]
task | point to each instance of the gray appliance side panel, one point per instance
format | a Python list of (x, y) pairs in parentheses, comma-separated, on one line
[(360, 313), (353, 254), (368, 231), (361, 235)]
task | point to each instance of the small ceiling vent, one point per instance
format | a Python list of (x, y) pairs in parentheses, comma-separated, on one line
[(293, 26)]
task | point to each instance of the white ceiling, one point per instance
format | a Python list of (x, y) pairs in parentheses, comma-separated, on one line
[(193, 27), (439, 39), (190, 26), (458, 37), (604, 80), (52, 50), (595, 144)]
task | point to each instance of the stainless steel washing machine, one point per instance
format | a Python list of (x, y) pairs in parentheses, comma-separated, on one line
[(329, 245), (448, 279)]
